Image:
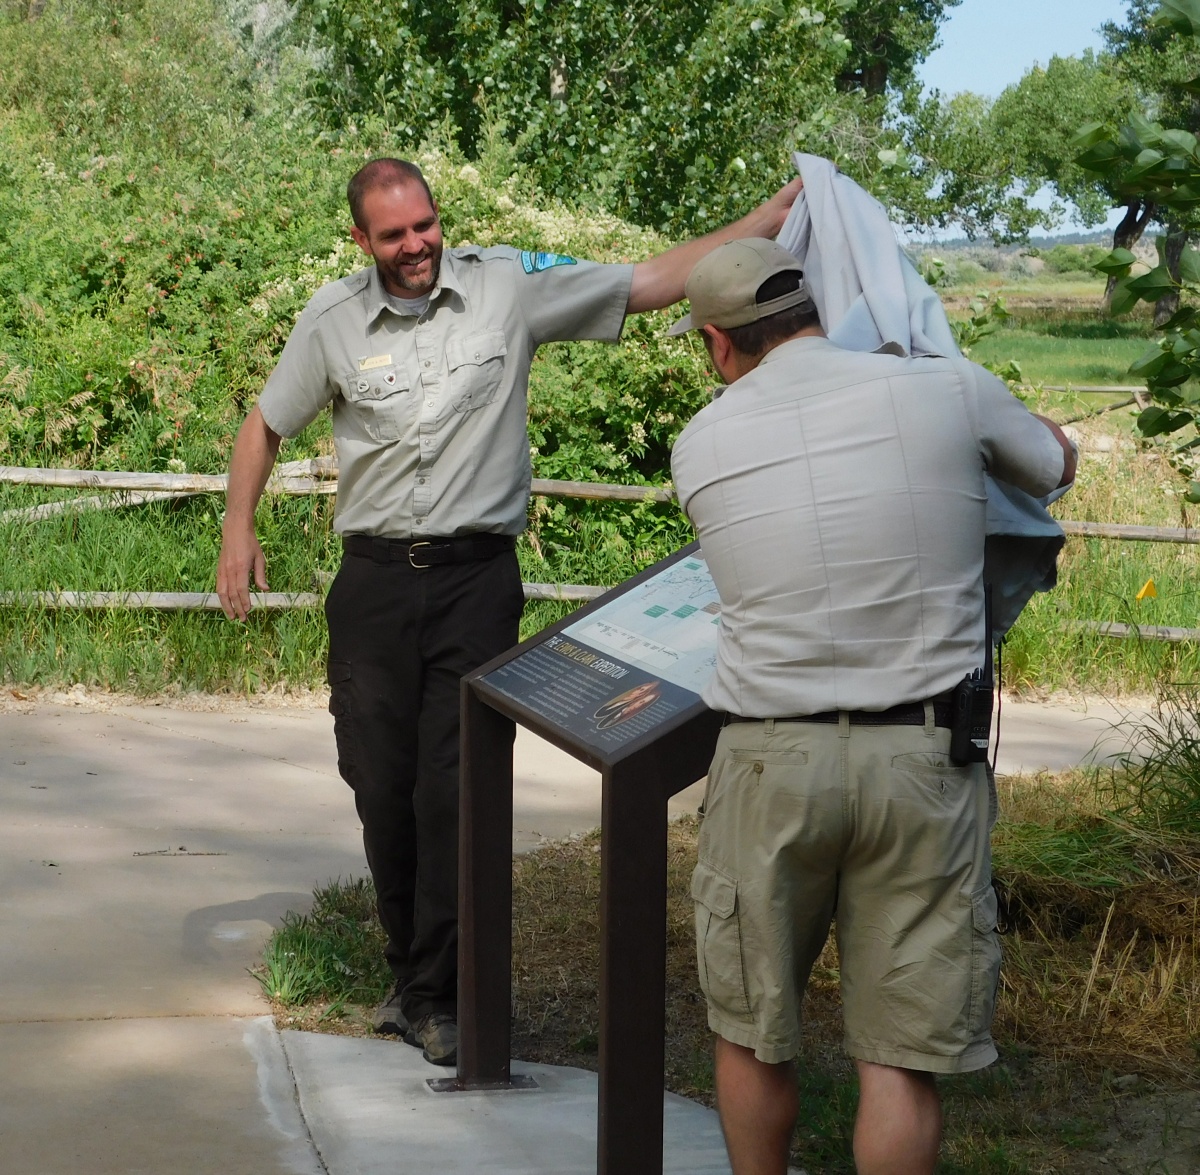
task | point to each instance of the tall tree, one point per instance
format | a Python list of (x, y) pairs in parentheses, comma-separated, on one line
[(888, 40), (1159, 163)]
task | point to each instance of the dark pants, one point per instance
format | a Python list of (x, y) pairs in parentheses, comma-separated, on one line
[(400, 640)]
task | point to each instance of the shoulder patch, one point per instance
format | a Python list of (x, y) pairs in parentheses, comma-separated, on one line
[(536, 262)]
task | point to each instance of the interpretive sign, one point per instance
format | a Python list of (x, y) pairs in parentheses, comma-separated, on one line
[(616, 684), (618, 669)]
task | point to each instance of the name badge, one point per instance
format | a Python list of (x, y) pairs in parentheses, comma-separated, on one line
[(373, 362)]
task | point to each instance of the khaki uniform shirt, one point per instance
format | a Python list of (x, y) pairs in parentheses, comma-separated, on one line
[(839, 500), (429, 414)]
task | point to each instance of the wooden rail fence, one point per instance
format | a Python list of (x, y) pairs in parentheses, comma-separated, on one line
[(318, 476)]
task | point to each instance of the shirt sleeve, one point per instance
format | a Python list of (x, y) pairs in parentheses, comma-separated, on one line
[(1017, 447), (562, 298), (299, 387)]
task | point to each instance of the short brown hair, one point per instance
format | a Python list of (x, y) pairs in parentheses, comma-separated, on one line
[(755, 338), (381, 173)]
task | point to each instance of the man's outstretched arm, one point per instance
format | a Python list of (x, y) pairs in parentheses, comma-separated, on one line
[(659, 281), (254, 454)]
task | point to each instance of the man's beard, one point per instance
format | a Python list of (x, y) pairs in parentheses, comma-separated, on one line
[(398, 275)]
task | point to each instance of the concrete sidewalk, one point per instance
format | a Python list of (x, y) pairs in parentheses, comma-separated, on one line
[(147, 851)]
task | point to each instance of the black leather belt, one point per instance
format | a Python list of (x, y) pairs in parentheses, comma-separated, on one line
[(422, 553), (906, 714)]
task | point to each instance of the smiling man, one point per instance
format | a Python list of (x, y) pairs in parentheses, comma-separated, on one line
[(425, 359)]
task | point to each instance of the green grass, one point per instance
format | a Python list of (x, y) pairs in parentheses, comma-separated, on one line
[(1079, 346)]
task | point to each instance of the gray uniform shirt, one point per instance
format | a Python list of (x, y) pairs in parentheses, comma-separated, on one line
[(839, 499), (429, 414)]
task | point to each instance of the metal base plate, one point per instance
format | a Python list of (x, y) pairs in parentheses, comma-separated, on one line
[(516, 1081)]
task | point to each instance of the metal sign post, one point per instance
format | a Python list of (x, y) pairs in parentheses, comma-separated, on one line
[(616, 685)]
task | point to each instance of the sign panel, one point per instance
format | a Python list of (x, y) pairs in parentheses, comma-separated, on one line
[(625, 664)]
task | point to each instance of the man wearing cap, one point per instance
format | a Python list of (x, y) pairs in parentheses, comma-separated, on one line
[(425, 358), (839, 501)]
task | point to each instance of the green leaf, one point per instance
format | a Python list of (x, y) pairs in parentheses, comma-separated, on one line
[(1156, 422), (1192, 494), (1149, 364), (1089, 135), (1185, 196), (1184, 142), (1183, 16), (1103, 157), (1145, 165), (1117, 262), (1153, 285), (1123, 299), (1189, 266)]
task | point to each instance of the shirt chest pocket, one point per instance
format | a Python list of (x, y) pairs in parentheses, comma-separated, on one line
[(476, 365), (379, 401)]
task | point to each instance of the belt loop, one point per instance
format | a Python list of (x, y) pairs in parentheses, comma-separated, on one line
[(930, 730), (843, 724), (768, 725), (381, 550)]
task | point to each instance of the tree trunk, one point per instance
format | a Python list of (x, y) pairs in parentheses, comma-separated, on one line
[(1168, 304), (1128, 233)]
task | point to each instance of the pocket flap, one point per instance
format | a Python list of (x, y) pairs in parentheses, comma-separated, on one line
[(985, 910), (476, 349), (339, 671), (377, 384), (714, 890)]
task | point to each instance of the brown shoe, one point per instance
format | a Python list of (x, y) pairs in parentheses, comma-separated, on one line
[(388, 1017), (436, 1035)]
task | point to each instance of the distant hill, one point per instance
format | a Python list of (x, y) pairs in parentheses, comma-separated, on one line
[(1099, 237)]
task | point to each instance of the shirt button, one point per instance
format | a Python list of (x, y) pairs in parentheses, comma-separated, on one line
[(428, 363), (420, 481), (476, 356), (429, 403)]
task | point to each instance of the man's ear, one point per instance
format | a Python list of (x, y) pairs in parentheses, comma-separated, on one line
[(361, 240), (720, 347)]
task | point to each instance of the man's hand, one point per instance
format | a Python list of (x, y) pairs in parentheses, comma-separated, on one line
[(253, 457), (241, 555), (767, 219), (1069, 459), (658, 283)]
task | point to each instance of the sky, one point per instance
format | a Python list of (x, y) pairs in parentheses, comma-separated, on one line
[(988, 44)]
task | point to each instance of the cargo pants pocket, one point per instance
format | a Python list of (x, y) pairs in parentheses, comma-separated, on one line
[(342, 708), (719, 958)]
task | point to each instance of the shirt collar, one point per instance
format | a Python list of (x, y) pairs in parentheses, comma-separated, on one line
[(377, 301)]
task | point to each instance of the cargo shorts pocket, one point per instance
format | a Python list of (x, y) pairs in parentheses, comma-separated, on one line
[(719, 940), (985, 961), (342, 709)]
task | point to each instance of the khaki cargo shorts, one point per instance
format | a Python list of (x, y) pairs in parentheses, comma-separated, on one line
[(871, 827)]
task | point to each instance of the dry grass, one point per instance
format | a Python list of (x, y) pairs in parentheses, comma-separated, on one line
[(1099, 982)]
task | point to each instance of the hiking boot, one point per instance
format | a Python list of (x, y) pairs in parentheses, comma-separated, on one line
[(388, 1017), (436, 1035)]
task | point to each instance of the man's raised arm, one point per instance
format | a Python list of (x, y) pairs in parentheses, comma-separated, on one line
[(254, 454), (658, 282)]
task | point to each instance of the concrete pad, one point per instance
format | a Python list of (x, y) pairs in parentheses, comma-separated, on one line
[(366, 1103), (145, 1097)]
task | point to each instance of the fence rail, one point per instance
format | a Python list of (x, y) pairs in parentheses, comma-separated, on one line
[(318, 475)]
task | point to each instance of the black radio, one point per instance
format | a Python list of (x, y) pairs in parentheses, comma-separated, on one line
[(972, 697)]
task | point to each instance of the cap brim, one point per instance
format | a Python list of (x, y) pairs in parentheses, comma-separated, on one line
[(684, 325)]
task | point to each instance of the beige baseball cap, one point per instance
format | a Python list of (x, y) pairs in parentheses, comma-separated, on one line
[(723, 285)]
